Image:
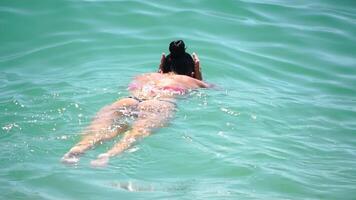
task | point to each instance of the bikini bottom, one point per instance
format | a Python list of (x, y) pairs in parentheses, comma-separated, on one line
[(131, 113), (141, 100)]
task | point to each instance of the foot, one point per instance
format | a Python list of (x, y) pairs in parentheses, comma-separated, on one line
[(70, 158), (101, 161)]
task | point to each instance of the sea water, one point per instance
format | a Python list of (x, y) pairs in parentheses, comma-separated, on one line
[(280, 124)]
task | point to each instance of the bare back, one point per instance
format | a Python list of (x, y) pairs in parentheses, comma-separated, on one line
[(168, 85)]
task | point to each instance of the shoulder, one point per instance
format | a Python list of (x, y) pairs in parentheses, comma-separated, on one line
[(148, 75), (191, 81)]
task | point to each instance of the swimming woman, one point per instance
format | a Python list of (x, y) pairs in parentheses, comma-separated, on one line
[(151, 105)]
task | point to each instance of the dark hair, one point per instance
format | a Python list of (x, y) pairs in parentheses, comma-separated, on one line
[(178, 61)]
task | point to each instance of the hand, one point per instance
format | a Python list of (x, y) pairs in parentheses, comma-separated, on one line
[(197, 72), (196, 62), (163, 59)]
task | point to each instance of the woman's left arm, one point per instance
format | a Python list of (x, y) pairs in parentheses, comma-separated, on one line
[(197, 70)]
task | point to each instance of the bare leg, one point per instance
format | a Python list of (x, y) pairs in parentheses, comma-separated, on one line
[(153, 114), (101, 128)]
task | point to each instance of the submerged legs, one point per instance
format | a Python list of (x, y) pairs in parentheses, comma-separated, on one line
[(102, 128), (152, 114)]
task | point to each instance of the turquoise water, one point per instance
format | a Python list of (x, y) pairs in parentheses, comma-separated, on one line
[(281, 124)]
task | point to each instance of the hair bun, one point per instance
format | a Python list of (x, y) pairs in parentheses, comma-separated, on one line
[(177, 48)]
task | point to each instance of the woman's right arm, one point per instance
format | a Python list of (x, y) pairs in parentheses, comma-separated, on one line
[(161, 65)]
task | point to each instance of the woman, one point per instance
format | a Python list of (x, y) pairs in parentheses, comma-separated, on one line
[(151, 105)]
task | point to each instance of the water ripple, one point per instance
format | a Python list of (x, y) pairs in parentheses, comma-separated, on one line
[(281, 120)]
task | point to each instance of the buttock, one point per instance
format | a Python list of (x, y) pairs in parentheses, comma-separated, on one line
[(156, 106), (153, 109)]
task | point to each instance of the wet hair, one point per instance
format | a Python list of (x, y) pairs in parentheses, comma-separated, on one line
[(178, 61)]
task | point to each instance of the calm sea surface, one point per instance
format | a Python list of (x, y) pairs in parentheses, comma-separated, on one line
[(280, 125)]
